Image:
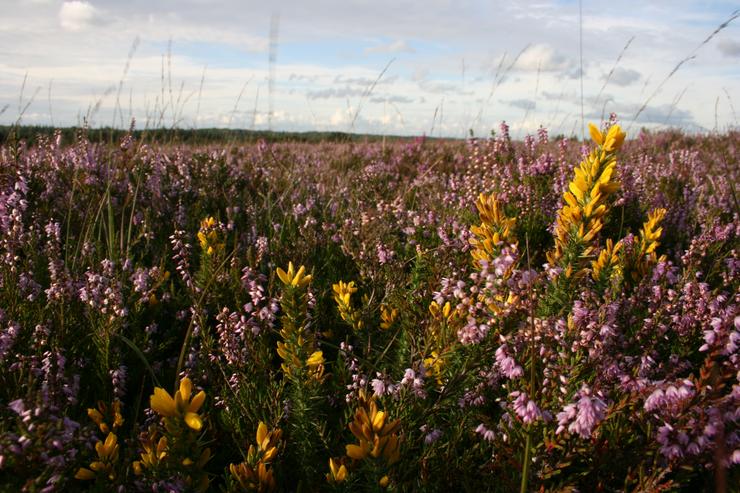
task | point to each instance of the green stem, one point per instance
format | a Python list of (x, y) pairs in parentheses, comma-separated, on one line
[(525, 465)]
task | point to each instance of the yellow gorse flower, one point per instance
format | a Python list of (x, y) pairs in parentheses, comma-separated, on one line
[(104, 466), (343, 292), (377, 436), (258, 478), (651, 231), (298, 347), (434, 364), (387, 317), (208, 236), (104, 414), (181, 406), (608, 263), (439, 330), (337, 472), (254, 474), (495, 229), (613, 139), (293, 278), (443, 313), (315, 364), (154, 452), (649, 236), (580, 218)]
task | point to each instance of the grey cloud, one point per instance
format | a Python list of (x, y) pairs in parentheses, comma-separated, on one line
[(525, 104), (624, 76), (392, 99), (729, 47), (559, 95), (302, 77), (443, 88), (331, 92), (664, 114), (364, 81)]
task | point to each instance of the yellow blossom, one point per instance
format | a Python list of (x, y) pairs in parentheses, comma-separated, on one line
[(343, 292), (580, 219), (337, 472), (434, 365), (254, 474), (208, 236), (181, 405), (376, 435), (293, 278), (104, 465), (495, 230), (607, 262), (388, 317)]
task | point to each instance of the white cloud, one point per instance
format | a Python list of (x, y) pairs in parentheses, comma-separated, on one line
[(77, 15), (320, 62), (398, 46), (544, 58)]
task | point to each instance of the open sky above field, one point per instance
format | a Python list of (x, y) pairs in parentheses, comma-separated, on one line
[(396, 67)]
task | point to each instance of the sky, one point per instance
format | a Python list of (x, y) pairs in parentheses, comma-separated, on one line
[(401, 67)]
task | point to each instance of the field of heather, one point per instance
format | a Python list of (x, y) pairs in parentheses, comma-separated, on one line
[(492, 315)]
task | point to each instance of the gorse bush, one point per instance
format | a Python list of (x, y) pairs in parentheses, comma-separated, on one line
[(491, 316)]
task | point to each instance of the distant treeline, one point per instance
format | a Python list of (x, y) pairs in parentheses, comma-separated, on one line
[(31, 134)]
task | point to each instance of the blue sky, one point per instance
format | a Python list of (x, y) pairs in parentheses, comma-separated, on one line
[(451, 66)]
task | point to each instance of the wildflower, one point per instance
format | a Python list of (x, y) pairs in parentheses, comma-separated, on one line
[(494, 231), (298, 347), (343, 292), (103, 413), (388, 317), (441, 313), (645, 256), (104, 466), (583, 416), (379, 387), (377, 436), (337, 471), (580, 219), (208, 236), (607, 264), (154, 452), (181, 406), (435, 364), (255, 473), (526, 408), (613, 139), (507, 364), (259, 478), (432, 436), (293, 278), (487, 434), (315, 364)]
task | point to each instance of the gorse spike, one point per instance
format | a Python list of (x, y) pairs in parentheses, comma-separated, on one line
[(586, 203)]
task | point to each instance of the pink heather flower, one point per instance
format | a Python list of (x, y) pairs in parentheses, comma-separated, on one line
[(735, 459), (583, 416), (472, 332), (378, 386), (430, 436), (526, 408), (507, 364), (485, 433), (670, 398)]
